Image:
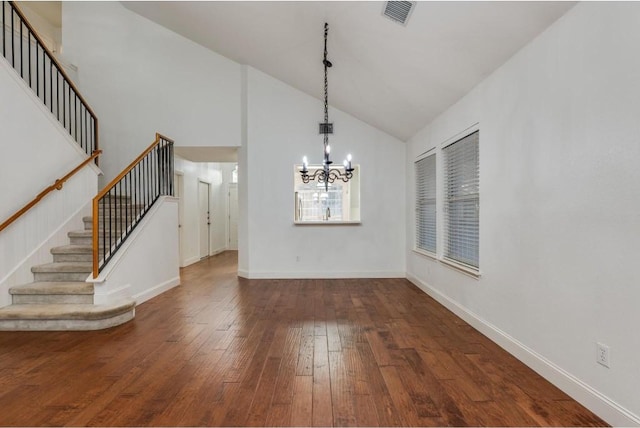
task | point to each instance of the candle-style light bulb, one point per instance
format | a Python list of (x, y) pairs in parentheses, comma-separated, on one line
[(304, 160), (328, 149), (349, 157)]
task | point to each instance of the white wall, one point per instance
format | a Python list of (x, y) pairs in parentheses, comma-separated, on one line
[(48, 32), (218, 175), (282, 125), (559, 203), (32, 138), (141, 78)]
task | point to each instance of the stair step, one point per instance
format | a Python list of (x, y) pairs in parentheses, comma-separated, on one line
[(72, 253), (88, 221), (81, 237), (62, 271), (52, 293), (65, 316)]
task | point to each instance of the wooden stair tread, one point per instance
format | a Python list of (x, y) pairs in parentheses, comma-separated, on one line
[(48, 287), (65, 311)]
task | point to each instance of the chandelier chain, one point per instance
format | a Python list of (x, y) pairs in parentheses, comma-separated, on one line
[(326, 84), (327, 174)]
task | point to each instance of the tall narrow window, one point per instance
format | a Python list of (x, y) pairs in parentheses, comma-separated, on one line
[(462, 201), (426, 204)]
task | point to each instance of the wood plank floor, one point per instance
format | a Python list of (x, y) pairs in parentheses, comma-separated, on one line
[(223, 351)]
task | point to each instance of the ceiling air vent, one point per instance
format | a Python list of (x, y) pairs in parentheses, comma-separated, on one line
[(398, 11)]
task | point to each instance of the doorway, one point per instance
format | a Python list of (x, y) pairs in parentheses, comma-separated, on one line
[(233, 217), (204, 219), (178, 180)]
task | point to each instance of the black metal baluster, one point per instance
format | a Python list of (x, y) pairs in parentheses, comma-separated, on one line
[(171, 166), (29, 50), (51, 84), (104, 227), (128, 191), (13, 44), (145, 185), (64, 106), (21, 52), (75, 115), (4, 37), (120, 210), (154, 172), (44, 76), (84, 135), (110, 226), (58, 94)]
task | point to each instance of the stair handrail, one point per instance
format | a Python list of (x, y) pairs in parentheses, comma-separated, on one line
[(57, 185), (148, 177), (78, 123)]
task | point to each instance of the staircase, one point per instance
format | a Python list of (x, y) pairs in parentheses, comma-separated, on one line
[(59, 298)]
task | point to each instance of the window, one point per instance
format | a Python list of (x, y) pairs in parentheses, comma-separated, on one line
[(313, 203), (462, 201), (426, 204)]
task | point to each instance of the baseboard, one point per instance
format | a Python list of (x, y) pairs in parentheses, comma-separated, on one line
[(218, 251), (595, 401), (157, 290), (100, 297), (318, 275), (190, 261)]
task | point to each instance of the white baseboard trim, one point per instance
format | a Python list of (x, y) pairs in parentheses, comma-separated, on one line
[(318, 275), (595, 401), (103, 297), (218, 251), (190, 261), (157, 290)]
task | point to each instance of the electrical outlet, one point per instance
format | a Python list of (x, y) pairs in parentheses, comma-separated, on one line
[(602, 354)]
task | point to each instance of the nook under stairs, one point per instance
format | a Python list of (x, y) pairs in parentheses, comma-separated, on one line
[(59, 298)]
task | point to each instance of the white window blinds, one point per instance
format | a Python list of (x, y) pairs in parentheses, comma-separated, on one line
[(462, 200), (426, 204)]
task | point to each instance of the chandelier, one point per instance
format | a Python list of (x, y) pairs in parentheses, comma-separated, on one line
[(327, 174)]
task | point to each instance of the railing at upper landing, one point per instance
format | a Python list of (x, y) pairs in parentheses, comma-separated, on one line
[(27, 54)]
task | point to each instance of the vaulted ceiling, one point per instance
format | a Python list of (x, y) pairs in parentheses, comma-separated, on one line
[(396, 78)]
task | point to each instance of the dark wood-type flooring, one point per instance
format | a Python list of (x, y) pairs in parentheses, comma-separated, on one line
[(220, 350)]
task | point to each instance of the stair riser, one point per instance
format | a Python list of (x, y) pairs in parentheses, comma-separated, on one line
[(81, 240), (89, 226), (51, 299), (60, 276), (73, 257)]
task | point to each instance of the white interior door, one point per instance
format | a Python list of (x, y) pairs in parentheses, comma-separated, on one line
[(178, 182), (233, 217), (204, 220)]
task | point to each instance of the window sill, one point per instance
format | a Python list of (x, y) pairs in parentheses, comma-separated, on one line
[(327, 223), (472, 272), (428, 254)]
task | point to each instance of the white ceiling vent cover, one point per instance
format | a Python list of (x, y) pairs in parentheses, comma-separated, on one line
[(399, 11)]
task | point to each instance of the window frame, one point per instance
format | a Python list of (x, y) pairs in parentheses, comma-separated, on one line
[(430, 154), (440, 256), (446, 256)]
